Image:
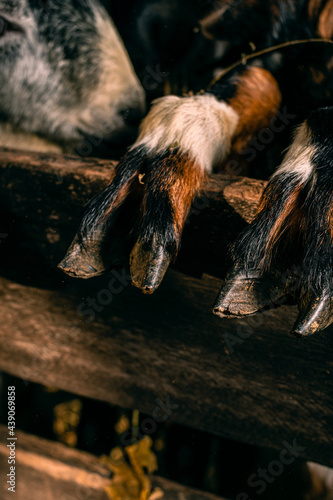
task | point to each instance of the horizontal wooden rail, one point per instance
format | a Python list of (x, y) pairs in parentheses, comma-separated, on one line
[(242, 379), (52, 471), (42, 198), (245, 380)]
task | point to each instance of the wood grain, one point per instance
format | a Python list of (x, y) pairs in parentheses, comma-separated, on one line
[(263, 390)]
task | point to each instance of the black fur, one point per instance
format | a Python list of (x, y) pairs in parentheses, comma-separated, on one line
[(94, 213), (318, 205), (157, 213), (249, 251)]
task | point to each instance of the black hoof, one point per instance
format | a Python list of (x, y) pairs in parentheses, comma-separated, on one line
[(149, 264), (80, 263), (245, 294), (316, 314)]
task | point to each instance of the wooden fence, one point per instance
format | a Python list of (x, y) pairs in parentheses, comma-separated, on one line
[(242, 379)]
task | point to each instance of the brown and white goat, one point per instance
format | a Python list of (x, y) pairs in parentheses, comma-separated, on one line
[(183, 139)]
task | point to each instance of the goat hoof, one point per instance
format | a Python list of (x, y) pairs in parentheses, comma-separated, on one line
[(148, 264), (245, 294), (80, 263), (316, 314)]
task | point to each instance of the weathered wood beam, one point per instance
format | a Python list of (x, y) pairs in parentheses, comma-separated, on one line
[(42, 198), (52, 471), (243, 379), (263, 389)]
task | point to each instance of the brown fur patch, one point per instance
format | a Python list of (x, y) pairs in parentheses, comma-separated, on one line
[(257, 100), (123, 192), (317, 76), (181, 179), (325, 25), (314, 7), (330, 64), (212, 18), (208, 23), (290, 221)]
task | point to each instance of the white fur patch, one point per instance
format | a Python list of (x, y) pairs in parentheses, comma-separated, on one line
[(298, 160), (324, 475), (118, 83), (119, 87), (14, 139), (200, 126)]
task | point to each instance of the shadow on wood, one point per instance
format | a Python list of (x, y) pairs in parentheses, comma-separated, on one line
[(242, 379)]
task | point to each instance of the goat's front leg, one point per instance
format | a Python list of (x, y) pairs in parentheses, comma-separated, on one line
[(181, 141), (287, 250)]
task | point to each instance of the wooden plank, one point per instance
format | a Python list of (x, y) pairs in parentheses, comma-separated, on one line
[(51, 471), (267, 390), (140, 351), (42, 197)]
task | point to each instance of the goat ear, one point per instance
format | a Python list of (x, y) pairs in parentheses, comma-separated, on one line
[(325, 25)]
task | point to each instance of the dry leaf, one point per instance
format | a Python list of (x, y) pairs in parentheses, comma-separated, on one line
[(122, 425), (130, 481), (67, 418)]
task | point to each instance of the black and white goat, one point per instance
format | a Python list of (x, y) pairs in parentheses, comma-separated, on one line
[(66, 81)]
